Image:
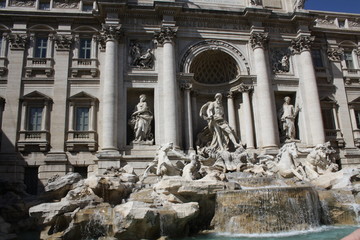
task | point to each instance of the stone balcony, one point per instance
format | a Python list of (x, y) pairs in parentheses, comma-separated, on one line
[(37, 139), (39, 66), (81, 66), (81, 139)]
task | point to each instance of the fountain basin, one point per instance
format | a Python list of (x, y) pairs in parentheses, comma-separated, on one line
[(267, 210)]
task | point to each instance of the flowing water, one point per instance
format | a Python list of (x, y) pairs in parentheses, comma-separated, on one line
[(321, 233)]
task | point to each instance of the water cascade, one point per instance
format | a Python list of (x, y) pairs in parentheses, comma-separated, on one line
[(266, 210)]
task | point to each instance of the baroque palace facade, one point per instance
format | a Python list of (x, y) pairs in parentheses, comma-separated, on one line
[(72, 71)]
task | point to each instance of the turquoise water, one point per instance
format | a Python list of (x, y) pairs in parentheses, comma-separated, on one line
[(322, 233)]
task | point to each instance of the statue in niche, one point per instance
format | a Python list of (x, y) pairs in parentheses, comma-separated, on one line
[(280, 61), (141, 122), (140, 59), (217, 135), (288, 114)]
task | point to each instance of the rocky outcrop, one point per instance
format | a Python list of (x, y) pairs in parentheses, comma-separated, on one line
[(57, 187)]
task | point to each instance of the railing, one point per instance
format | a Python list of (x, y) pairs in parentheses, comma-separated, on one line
[(81, 138), (84, 66), (33, 138), (351, 72), (39, 63)]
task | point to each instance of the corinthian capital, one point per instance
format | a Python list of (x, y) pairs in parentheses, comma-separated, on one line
[(244, 88), (165, 34), (335, 54), (302, 43), (259, 40), (18, 41), (110, 32)]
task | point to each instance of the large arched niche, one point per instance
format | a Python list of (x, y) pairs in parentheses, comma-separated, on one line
[(214, 62)]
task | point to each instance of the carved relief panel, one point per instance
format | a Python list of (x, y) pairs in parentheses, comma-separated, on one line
[(141, 55), (280, 60)]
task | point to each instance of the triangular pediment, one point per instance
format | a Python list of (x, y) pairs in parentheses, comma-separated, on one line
[(328, 99), (82, 96), (356, 100), (35, 95)]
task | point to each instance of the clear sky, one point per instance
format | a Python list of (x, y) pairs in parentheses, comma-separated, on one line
[(350, 6)]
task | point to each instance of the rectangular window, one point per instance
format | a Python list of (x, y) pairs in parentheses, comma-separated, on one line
[(87, 7), (316, 55), (85, 48), (82, 171), (349, 60), (328, 119), (357, 117), (44, 5), (2, 3), (31, 179), (40, 47), (34, 120), (82, 119)]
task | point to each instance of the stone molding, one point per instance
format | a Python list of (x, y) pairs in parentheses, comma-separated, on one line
[(166, 34), (335, 54), (302, 43), (63, 42), (259, 40), (18, 41)]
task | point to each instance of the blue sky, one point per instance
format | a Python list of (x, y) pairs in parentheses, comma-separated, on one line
[(350, 6)]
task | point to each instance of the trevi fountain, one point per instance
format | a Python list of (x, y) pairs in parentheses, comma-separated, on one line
[(220, 190)]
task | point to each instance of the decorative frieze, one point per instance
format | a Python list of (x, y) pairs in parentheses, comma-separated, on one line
[(302, 43), (325, 21), (63, 42), (68, 4), (18, 41), (335, 54), (259, 40), (16, 3), (166, 34)]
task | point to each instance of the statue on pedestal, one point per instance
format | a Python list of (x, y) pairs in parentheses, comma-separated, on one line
[(288, 115), (217, 135), (141, 122)]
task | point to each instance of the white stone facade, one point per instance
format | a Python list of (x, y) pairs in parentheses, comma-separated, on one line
[(71, 74)]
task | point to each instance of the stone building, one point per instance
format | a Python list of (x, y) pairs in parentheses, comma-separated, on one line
[(72, 71)]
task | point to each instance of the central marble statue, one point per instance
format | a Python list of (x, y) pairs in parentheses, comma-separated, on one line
[(217, 135)]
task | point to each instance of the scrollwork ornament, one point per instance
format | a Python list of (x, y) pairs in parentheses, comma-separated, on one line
[(335, 54), (357, 52), (18, 41), (166, 34), (259, 40), (63, 42), (302, 43)]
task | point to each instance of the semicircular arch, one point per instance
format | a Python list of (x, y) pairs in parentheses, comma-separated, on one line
[(200, 47)]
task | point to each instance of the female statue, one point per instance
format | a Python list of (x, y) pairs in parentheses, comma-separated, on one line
[(141, 121)]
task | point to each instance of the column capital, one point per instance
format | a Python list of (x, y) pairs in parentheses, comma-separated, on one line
[(301, 43), (111, 32), (259, 39), (335, 54), (18, 41), (244, 88), (63, 42), (166, 34), (186, 85)]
